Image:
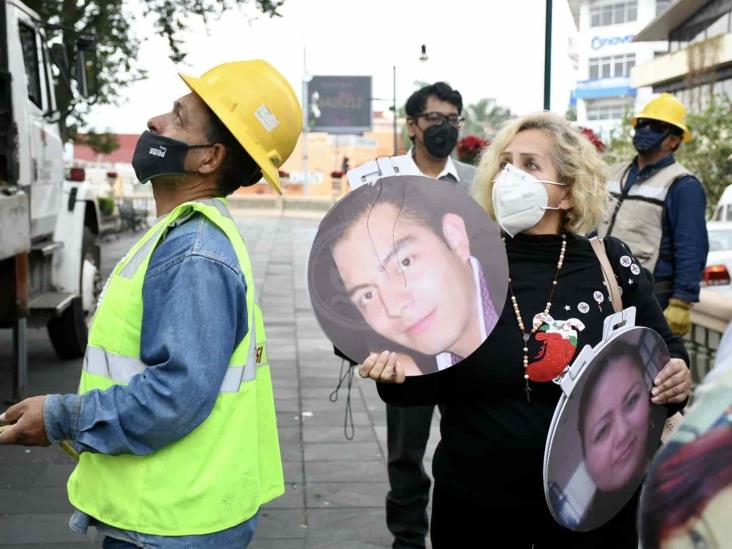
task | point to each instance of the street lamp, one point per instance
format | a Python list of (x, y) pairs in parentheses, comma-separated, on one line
[(422, 57)]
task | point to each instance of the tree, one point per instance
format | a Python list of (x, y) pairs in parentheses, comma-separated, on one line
[(112, 23), (100, 143), (172, 16), (485, 118), (706, 155)]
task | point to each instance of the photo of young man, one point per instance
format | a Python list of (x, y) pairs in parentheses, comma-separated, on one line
[(407, 266)]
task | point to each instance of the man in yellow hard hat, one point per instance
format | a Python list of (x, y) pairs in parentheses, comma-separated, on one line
[(174, 422), (658, 208)]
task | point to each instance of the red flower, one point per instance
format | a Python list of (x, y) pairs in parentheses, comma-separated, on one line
[(470, 147), (593, 137)]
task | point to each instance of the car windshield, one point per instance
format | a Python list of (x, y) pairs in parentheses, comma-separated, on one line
[(720, 240)]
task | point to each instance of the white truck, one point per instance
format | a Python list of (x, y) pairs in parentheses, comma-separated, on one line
[(49, 258)]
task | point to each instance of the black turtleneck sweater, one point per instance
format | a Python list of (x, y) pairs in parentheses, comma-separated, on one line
[(492, 438)]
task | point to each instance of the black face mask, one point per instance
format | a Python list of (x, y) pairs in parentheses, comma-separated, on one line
[(440, 140), (646, 139), (159, 155)]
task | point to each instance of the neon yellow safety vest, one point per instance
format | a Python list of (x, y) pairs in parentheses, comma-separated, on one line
[(218, 475)]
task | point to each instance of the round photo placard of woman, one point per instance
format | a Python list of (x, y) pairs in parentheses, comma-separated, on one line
[(606, 432), (411, 265)]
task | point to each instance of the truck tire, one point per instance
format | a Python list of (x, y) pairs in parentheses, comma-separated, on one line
[(69, 332)]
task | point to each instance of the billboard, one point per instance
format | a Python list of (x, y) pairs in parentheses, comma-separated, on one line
[(339, 104)]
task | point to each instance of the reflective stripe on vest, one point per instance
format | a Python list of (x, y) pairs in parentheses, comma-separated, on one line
[(123, 368)]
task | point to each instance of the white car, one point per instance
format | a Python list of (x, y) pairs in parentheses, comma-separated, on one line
[(719, 260)]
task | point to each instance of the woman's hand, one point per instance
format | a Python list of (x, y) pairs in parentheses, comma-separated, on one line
[(672, 384), (383, 367)]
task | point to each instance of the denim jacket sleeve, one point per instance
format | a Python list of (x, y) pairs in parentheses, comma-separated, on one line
[(686, 217), (194, 315)]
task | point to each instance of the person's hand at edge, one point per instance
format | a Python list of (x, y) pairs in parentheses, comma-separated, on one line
[(27, 426), (383, 367), (672, 384)]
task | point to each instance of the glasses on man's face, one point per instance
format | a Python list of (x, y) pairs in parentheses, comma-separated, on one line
[(438, 119), (655, 125)]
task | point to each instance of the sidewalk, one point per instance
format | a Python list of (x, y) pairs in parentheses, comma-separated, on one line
[(335, 488)]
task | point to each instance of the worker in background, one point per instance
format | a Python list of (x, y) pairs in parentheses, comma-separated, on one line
[(658, 208)]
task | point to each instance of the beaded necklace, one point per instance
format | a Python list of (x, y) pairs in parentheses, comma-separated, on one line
[(538, 319)]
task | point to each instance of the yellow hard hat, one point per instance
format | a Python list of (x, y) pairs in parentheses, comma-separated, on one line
[(665, 108), (258, 106)]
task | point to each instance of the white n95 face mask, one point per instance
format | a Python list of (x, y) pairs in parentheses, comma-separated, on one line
[(519, 199)]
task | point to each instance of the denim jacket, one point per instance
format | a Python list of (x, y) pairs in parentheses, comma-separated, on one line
[(194, 315)]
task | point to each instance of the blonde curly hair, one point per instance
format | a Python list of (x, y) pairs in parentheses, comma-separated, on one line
[(576, 159)]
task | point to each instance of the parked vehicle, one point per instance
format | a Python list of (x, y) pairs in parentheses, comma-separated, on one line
[(723, 209), (719, 260), (49, 258)]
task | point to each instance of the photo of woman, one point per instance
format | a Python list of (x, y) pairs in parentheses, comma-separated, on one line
[(610, 412), (409, 264)]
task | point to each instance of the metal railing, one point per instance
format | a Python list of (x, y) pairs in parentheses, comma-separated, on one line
[(709, 319)]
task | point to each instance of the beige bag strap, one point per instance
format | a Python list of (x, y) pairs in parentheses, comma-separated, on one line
[(607, 273)]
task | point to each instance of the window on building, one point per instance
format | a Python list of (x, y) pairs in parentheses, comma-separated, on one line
[(662, 6), (609, 12), (594, 68), (606, 65), (612, 111), (617, 66)]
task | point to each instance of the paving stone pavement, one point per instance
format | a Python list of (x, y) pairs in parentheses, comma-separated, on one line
[(335, 488)]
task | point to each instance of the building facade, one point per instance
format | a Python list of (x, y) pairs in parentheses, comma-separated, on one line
[(607, 53), (697, 63)]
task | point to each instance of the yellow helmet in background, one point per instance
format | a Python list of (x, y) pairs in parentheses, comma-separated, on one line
[(665, 108), (258, 106)]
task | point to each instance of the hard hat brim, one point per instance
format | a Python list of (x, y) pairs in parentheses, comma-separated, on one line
[(687, 133), (258, 154)]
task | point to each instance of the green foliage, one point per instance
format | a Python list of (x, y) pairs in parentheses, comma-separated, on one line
[(106, 205), (112, 23), (101, 143), (117, 49), (706, 155), (171, 16), (620, 145), (484, 118)]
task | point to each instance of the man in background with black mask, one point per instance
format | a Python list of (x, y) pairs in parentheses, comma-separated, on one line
[(434, 117), (658, 208)]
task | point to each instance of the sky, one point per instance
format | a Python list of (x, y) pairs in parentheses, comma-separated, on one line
[(483, 48)]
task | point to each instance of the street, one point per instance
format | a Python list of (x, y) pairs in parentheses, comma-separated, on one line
[(335, 488)]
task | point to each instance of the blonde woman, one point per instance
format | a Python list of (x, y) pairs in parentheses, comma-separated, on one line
[(545, 185)]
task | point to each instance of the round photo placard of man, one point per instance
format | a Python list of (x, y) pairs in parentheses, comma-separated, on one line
[(606, 432), (411, 265)]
